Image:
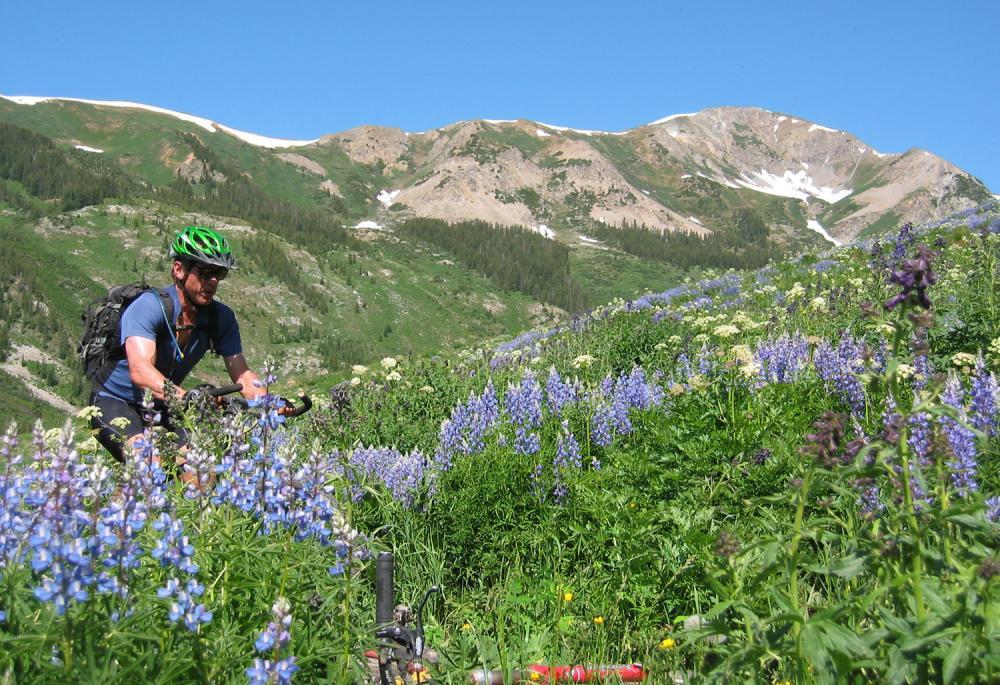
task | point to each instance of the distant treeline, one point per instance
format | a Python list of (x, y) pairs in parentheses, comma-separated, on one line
[(75, 180), (514, 258), (266, 254), (746, 246), (239, 196)]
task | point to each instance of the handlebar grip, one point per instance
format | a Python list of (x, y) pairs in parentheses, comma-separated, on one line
[(302, 408), (384, 569), (224, 390)]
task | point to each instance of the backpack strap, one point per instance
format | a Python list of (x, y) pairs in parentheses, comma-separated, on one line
[(168, 305)]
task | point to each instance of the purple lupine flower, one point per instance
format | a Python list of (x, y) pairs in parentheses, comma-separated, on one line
[(600, 425), (174, 548), (185, 606), (567, 457), (465, 431), (924, 369), (840, 367), (993, 509), (274, 642), (904, 240), (961, 440), (401, 474), (983, 411), (781, 360), (915, 277), (526, 441), (559, 393), (523, 402), (58, 535)]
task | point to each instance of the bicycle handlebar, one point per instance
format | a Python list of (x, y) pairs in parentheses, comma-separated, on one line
[(196, 393)]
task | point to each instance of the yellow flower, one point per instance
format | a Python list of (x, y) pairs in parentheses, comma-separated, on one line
[(567, 596), (535, 676), (598, 620), (668, 643), (466, 627)]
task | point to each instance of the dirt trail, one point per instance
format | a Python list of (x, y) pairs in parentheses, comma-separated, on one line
[(12, 365)]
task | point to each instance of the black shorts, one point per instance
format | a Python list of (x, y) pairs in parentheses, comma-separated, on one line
[(114, 439)]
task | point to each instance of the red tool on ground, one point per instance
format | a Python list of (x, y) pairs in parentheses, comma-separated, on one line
[(540, 673)]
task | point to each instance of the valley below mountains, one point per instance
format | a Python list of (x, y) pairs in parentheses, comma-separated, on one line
[(375, 241)]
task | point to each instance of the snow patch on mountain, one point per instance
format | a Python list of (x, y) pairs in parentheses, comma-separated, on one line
[(671, 117), (814, 225), (798, 185), (544, 231), (207, 124), (386, 197), (586, 132), (88, 149)]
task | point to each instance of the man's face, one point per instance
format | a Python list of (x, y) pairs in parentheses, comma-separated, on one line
[(202, 282)]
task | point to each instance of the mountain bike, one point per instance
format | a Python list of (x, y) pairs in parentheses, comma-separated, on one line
[(400, 660)]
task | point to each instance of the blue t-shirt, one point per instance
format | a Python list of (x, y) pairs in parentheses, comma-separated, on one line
[(146, 318)]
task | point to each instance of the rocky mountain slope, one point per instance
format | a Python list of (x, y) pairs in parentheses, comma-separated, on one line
[(687, 172), (659, 175)]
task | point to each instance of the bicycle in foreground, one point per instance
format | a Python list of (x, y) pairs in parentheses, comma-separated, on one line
[(403, 657)]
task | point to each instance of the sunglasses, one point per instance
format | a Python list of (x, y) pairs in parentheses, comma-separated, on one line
[(208, 273)]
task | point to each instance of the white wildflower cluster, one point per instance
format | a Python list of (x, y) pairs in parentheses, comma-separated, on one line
[(726, 331), (583, 361), (743, 321), (964, 361), (795, 292)]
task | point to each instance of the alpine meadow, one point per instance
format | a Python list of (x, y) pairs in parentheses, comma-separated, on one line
[(682, 404)]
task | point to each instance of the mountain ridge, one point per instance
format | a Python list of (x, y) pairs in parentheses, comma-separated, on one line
[(683, 172)]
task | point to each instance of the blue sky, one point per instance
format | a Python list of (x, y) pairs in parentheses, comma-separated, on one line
[(896, 74)]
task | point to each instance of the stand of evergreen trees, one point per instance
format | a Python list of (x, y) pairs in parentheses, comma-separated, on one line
[(514, 258), (746, 247), (239, 196), (265, 254), (49, 173)]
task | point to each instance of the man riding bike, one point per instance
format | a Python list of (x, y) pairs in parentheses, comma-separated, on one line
[(157, 350)]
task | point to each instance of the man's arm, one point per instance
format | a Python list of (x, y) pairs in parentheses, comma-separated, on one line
[(239, 372), (141, 354)]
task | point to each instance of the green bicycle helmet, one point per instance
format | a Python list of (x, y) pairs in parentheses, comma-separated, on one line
[(202, 245)]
